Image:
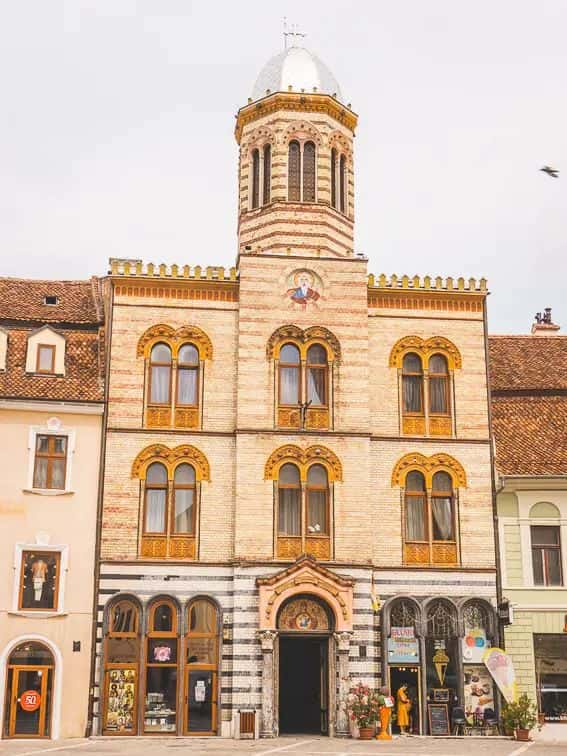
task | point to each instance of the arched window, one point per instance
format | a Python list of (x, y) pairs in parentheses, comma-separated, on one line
[(403, 613), (289, 375), (442, 518), (317, 501), (412, 384), (29, 695), (255, 178), (160, 706), (416, 507), (160, 374), (267, 186), (289, 501), (334, 177), (317, 375), (475, 617), (155, 499), (121, 668), (184, 492), (202, 664), (309, 172), (342, 184), (294, 172), (441, 620), (188, 376), (430, 508), (438, 385)]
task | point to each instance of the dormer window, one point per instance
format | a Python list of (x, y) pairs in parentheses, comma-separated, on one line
[(50, 299), (45, 358)]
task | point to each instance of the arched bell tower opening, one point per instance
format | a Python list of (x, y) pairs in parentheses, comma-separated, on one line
[(305, 626)]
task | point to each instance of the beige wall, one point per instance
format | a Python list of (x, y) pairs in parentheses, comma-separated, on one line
[(67, 520)]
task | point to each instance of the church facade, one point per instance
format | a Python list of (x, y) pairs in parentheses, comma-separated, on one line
[(297, 487)]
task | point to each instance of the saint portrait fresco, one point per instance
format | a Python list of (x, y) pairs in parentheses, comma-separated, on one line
[(304, 288)]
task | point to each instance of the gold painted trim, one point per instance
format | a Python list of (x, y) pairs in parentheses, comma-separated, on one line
[(426, 348), (175, 338), (303, 458), (429, 466), (171, 458), (303, 339)]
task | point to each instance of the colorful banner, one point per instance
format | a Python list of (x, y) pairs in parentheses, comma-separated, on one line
[(473, 645), (501, 667)]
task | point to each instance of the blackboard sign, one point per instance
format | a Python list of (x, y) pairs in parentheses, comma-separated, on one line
[(438, 719), (441, 695)]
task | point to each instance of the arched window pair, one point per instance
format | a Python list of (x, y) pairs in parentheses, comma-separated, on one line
[(302, 158), (261, 176), (303, 379), (339, 181), (174, 360), (303, 514), (430, 519), (426, 369), (167, 662)]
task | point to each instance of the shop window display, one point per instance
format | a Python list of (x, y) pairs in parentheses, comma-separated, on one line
[(160, 712), (551, 676)]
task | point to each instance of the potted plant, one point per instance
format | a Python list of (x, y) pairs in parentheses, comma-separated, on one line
[(520, 716), (362, 705), (527, 717)]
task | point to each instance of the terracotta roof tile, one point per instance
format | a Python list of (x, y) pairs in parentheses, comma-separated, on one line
[(530, 434), (84, 375), (528, 362), (77, 301)]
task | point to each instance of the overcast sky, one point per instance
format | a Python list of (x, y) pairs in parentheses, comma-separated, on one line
[(117, 118)]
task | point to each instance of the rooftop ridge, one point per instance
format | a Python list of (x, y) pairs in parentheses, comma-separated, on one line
[(137, 268), (427, 283)]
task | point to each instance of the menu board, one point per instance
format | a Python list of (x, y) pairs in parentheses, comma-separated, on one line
[(438, 715)]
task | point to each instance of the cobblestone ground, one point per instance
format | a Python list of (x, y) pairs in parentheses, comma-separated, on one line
[(289, 746)]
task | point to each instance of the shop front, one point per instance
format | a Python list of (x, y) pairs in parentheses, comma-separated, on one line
[(161, 667), (29, 692), (433, 656), (550, 652)]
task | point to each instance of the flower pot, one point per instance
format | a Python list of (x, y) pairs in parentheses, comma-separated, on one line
[(365, 733), (509, 732), (522, 734)]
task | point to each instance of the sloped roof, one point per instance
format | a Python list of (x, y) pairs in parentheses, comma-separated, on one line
[(23, 300), (528, 376)]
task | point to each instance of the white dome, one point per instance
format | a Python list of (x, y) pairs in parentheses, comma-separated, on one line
[(298, 68)]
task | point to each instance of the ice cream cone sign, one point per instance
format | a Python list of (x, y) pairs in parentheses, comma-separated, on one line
[(440, 660), (501, 667)]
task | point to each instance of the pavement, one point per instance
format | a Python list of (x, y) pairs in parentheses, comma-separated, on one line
[(285, 746)]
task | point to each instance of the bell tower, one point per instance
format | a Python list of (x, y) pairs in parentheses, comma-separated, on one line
[(295, 176)]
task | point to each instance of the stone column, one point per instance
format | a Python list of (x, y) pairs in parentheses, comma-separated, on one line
[(343, 647), (268, 725)]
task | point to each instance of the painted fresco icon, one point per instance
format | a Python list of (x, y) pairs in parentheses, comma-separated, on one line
[(305, 288)]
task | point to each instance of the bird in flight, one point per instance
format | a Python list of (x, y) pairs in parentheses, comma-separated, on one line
[(550, 171)]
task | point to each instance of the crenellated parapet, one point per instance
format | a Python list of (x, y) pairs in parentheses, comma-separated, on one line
[(427, 283), (127, 267), (410, 293)]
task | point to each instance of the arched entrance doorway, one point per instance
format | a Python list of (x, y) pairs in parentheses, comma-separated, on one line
[(29, 690), (305, 625)]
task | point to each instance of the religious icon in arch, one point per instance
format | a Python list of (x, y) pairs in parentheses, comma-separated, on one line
[(305, 288)]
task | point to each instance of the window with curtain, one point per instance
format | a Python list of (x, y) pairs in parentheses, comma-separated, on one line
[(50, 462), (289, 375), (317, 375), (412, 384), (155, 498), (442, 519), (416, 507), (255, 178), (289, 501), (188, 376), (160, 374), (294, 172), (438, 385), (184, 487), (267, 187), (317, 501), (334, 177), (546, 554), (309, 171), (342, 184)]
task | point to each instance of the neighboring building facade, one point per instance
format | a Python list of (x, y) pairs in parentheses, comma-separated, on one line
[(529, 410), (283, 440), (51, 407)]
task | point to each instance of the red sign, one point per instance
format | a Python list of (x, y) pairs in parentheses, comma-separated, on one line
[(30, 700)]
